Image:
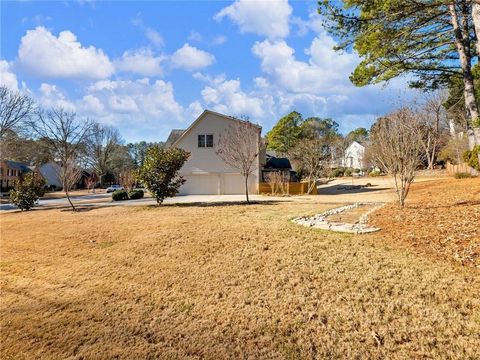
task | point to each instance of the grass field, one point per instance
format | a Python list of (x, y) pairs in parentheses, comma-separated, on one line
[(233, 281)]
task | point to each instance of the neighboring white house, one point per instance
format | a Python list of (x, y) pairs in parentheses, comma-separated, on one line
[(205, 171), (353, 156)]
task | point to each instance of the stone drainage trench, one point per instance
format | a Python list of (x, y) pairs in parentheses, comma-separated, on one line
[(349, 218)]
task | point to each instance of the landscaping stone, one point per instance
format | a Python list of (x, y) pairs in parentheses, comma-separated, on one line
[(320, 221)]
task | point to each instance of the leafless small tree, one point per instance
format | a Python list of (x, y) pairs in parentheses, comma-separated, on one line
[(397, 149), (431, 122), (239, 147), (66, 141), (15, 108), (101, 147), (278, 182), (69, 174), (126, 178), (311, 156), (91, 181)]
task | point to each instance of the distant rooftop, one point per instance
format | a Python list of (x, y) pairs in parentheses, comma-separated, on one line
[(174, 136)]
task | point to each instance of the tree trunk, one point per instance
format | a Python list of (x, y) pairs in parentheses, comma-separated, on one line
[(70, 201), (476, 23), (462, 43), (246, 188)]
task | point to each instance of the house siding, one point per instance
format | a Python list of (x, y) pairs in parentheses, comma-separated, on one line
[(205, 171)]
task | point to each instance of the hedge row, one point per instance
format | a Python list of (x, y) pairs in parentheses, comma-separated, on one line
[(120, 195)]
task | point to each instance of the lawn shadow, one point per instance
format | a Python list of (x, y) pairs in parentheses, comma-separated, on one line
[(348, 189), (217, 203)]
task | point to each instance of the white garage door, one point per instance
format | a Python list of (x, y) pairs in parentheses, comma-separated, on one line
[(201, 185), (234, 184)]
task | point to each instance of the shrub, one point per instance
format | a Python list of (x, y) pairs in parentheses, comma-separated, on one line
[(356, 171), (336, 173), (27, 191), (119, 195), (471, 157), (135, 194), (462, 175), (374, 173), (159, 171), (348, 172)]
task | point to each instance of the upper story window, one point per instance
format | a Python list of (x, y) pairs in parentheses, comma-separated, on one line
[(205, 140)]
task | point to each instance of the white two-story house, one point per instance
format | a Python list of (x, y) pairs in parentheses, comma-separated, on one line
[(205, 172), (353, 156)]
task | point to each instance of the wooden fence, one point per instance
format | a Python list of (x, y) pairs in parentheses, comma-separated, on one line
[(291, 188), (460, 168)]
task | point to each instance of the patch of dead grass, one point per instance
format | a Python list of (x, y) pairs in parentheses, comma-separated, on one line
[(441, 219), (223, 282)]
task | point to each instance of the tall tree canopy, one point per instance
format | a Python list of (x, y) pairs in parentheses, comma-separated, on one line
[(432, 40), (286, 133)]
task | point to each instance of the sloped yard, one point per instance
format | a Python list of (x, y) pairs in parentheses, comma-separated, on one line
[(230, 281), (441, 219)]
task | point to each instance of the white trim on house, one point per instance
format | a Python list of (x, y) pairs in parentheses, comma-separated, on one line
[(205, 171)]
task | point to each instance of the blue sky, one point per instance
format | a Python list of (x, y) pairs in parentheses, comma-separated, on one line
[(148, 67)]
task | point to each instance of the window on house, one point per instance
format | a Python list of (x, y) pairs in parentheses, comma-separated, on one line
[(205, 140)]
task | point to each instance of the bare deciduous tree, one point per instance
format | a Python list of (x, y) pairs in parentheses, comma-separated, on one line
[(430, 121), (278, 182), (67, 138), (239, 147), (101, 147), (397, 149), (69, 174), (15, 108), (312, 155), (126, 178)]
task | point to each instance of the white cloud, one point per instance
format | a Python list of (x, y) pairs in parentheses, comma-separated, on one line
[(43, 54), (195, 36), (226, 96), (7, 77), (218, 40), (190, 58), (91, 105), (267, 18), (51, 96), (142, 109), (325, 71), (154, 36), (140, 61)]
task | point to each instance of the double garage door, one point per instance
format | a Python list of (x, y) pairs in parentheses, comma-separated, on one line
[(213, 184)]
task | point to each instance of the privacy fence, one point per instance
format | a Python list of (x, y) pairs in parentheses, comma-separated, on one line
[(289, 188), (460, 168)]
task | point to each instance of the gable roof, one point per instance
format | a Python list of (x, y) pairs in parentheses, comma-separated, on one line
[(17, 165), (355, 142), (174, 136), (277, 163), (202, 115)]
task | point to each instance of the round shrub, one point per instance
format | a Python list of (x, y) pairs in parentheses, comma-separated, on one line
[(348, 172), (471, 157), (374, 173), (119, 195), (135, 194), (462, 175), (336, 173)]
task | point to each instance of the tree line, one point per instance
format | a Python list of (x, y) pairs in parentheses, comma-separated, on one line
[(36, 136)]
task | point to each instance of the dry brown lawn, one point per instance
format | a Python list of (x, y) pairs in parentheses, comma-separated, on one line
[(219, 282), (441, 219)]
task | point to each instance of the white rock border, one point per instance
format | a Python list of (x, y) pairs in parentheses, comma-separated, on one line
[(320, 221)]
